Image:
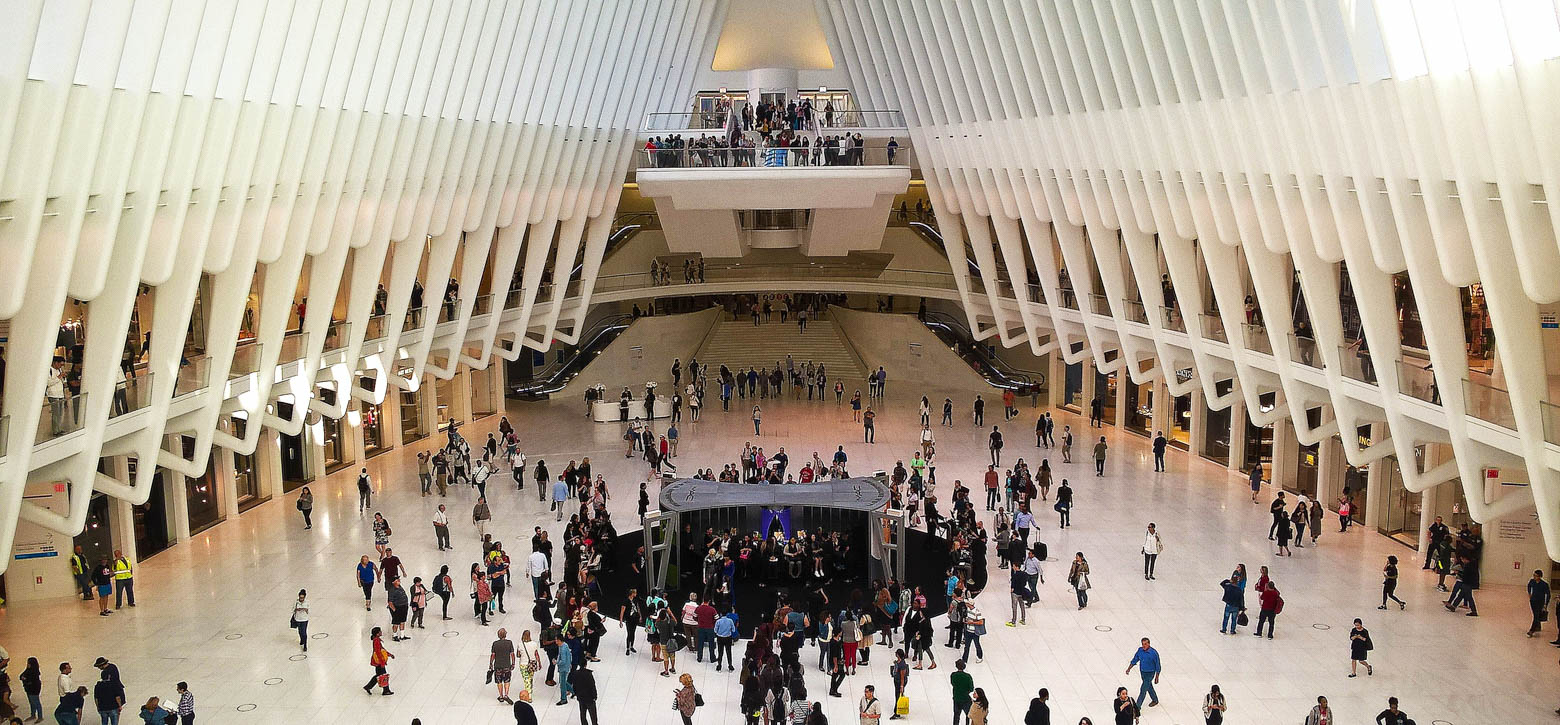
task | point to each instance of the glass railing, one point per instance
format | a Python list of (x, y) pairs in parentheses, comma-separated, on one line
[(719, 120), (194, 376), (482, 305), (1171, 318), (448, 310), (246, 360), (773, 156), (1100, 304), (1213, 327), (294, 346), (1355, 364), (514, 299), (61, 416), (5, 434), (337, 336), (1135, 310), (131, 394), (1036, 293), (377, 328), (1418, 381), (1493, 405), (1257, 339), (1549, 411), (1303, 350), (715, 273), (1069, 298), (414, 319)]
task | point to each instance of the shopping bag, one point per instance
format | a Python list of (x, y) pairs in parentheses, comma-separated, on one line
[(902, 707)]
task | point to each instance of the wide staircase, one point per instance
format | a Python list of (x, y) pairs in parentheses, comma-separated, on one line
[(740, 345)]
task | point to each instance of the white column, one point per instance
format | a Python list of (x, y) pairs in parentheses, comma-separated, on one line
[(176, 494), (771, 80), (227, 489)]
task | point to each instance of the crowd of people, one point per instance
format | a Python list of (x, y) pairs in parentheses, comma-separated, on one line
[(795, 574)]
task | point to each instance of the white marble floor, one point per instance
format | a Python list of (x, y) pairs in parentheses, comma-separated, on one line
[(213, 611)]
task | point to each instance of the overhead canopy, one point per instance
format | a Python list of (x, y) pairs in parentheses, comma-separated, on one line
[(772, 34), (692, 494)]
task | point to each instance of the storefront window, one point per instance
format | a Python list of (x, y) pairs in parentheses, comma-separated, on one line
[(1479, 330), (1072, 397), (1140, 407), (1216, 428), (482, 396), (246, 481), (152, 532), (1400, 508), (444, 398), (412, 425), (1105, 391), (200, 492), (1408, 312), (1181, 422), (96, 538), (333, 443), (373, 429)]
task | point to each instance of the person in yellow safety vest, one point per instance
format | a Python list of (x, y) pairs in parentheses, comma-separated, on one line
[(124, 580), (81, 572)]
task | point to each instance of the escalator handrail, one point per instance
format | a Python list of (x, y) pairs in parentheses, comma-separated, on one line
[(1008, 376), (612, 324)]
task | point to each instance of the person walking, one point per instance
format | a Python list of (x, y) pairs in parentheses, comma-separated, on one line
[(1359, 649), (1214, 707), (1126, 710), (1063, 505), (444, 588), (32, 686), (1159, 451), (947, 418), (365, 487), (583, 682), (687, 699), (1255, 476), (1272, 603), (480, 516), (836, 648), (1389, 580), (995, 444), (1099, 457), (1321, 713), (974, 629), (980, 707), (868, 434), (367, 575), (868, 708), (980, 410), (758, 417), (560, 494), (963, 687), (379, 659), (300, 619), (306, 507), (1078, 577), (1146, 659), (1152, 546), (1538, 601), (1067, 444), (1039, 712)]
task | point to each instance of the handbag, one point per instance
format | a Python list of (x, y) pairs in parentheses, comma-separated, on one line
[(1242, 620), (698, 700), (384, 680), (292, 621)]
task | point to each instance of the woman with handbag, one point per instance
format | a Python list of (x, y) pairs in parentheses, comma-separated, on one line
[(687, 699), (530, 661), (306, 507), (379, 659), (481, 593), (866, 629), (300, 618), (1078, 577)]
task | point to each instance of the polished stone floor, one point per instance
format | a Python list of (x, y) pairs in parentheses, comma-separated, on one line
[(213, 611)]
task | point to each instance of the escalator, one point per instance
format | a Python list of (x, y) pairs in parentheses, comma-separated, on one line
[(979, 357), (934, 238), (618, 238), (557, 375)]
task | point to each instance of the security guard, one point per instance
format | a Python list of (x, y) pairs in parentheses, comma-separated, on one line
[(124, 580), (80, 571)]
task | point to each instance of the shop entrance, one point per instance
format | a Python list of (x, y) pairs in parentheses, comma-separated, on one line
[(97, 537), (1072, 397), (1140, 407), (1306, 471), (294, 471), (1105, 390), (1400, 508), (152, 533)]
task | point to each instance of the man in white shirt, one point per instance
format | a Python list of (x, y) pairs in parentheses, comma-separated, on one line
[(441, 529), (1152, 545), (65, 684), (54, 390), (869, 708), (536, 568)]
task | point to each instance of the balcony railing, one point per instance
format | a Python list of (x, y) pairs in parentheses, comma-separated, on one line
[(5, 434), (1355, 364), (377, 328), (337, 336), (414, 319), (715, 273), (1036, 293), (1493, 405), (482, 305), (1135, 311), (1549, 411), (131, 394), (448, 309), (1303, 350), (514, 299), (1418, 381), (716, 120), (1069, 298), (246, 360), (294, 345), (1100, 303), (774, 157), (1257, 339), (1213, 327), (61, 416), (1171, 318), (194, 376)]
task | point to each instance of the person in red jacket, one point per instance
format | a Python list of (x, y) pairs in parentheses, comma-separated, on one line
[(1272, 604)]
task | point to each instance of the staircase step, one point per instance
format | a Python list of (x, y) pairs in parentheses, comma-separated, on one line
[(741, 344)]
